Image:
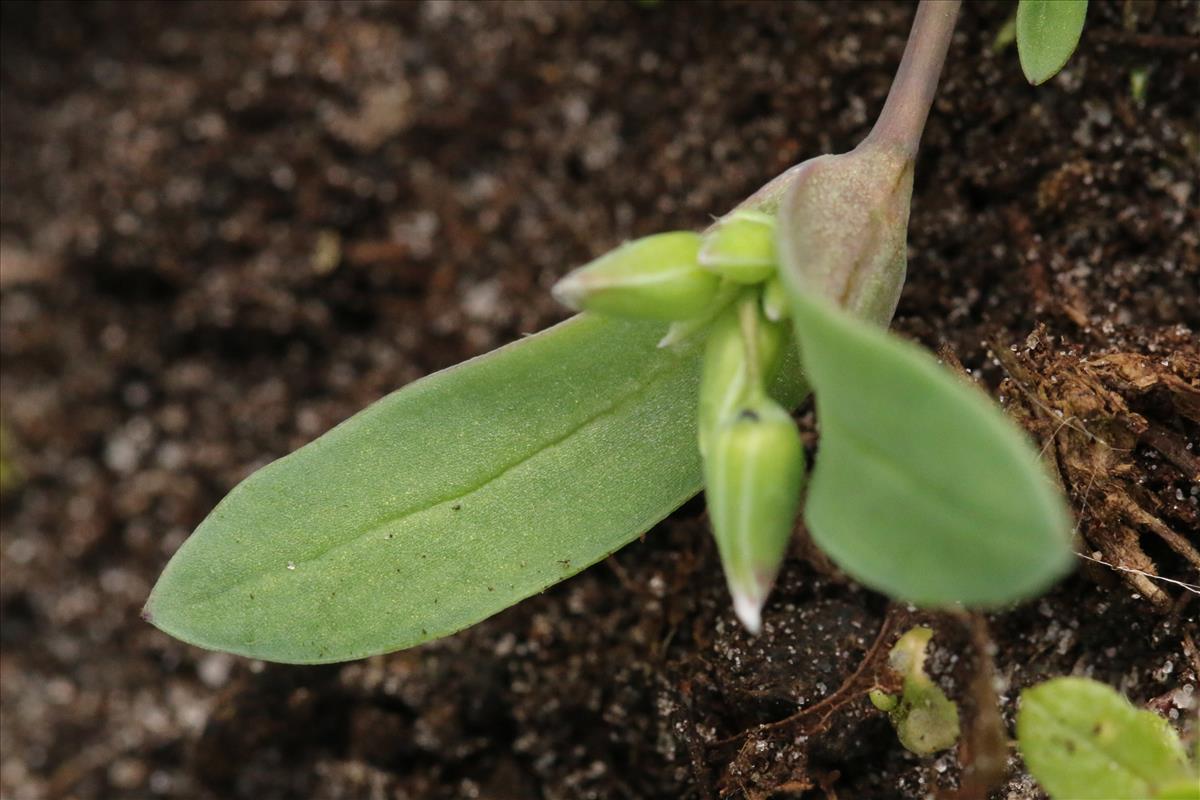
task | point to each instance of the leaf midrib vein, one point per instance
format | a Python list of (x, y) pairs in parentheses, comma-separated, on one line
[(620, 400), (937, 496), (1112, 756)]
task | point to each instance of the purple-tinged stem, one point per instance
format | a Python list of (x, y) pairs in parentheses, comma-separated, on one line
[(908, 101)]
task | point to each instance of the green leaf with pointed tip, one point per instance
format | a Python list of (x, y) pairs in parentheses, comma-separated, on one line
[(1047, 34), (1083, 741), (922, 488), (448, 500)]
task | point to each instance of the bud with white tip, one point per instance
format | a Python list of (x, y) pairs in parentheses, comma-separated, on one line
[(656, 277), (775, 300), (753, 473)]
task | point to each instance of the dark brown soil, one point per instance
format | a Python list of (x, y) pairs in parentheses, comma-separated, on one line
[(227, 227)]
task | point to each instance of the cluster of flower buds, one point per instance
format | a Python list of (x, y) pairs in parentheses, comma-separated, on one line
[(683, 277), (724, 284)]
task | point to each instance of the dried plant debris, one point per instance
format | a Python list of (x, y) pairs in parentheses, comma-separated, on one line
[(1122, 430)]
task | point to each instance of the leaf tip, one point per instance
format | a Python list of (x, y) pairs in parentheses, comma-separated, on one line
[(1036, 77), (749, 611), (163, 612), (570, 290)]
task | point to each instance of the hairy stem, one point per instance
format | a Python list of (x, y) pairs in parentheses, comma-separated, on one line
[(903, 116)]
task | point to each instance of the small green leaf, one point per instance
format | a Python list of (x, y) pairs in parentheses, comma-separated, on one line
[(1139, 82), (882, 700), (922, 488), (1083, 741), (448, 500), (1006, 35), (1047, 34), (10, 474)]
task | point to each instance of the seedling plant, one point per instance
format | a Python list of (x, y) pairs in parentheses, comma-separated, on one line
[(488, 482), (480, 485)]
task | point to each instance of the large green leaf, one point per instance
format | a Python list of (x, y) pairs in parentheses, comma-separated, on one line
[(1047, 34), (922, 488), (447, 501), (1083, 741)]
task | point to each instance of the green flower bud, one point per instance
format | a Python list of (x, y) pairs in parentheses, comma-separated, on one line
[(775, 301), (753, 472), (655, 277), (741, 247), (843, 223), (727, 380)]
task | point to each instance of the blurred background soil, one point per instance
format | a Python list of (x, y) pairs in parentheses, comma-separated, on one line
[(226, 227)]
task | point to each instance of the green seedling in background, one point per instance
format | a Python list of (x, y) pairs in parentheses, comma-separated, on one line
[(483, 484), (1139, 82), (1047, 33), (1083, 741), (926, 721), (10, 474)]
